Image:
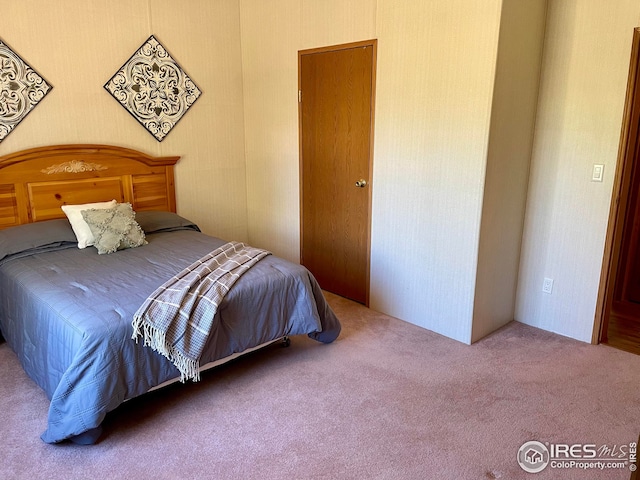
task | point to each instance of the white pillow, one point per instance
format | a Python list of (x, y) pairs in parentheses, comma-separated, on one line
[(79, 226)]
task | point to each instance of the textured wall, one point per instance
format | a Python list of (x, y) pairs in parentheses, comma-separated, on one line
[(583, 86), (436, 66), (513, 115)]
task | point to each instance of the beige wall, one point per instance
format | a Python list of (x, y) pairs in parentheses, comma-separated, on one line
[(513, 113), (583, 86), (77, 46), (436, 67)]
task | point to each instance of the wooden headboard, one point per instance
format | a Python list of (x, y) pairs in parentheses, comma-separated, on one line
[(34, 183)]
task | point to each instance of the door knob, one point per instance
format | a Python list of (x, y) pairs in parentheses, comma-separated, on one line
[(361, 183)]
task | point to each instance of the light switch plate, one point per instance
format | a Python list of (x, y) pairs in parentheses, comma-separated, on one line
[(598, 173)]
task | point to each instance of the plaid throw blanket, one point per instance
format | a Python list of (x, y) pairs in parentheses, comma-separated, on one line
[(176, 319)]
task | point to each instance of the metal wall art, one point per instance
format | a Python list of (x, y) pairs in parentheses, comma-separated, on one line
[(153, 88), (21, 89)]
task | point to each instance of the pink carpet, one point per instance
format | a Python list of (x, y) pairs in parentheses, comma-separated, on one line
[(387, 400)]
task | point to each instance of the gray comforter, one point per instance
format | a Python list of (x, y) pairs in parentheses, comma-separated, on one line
[(67, 314)]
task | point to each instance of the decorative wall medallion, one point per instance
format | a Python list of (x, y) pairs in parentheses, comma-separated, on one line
[(153, 88), (73, 166), (21, 89)]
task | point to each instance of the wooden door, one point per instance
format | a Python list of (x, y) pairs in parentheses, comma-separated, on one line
[(623, 326), (628, 281), (618, 308), (336, 131)]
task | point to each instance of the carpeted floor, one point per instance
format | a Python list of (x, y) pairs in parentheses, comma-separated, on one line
[(387, 400)]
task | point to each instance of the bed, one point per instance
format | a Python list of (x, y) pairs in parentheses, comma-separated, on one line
[(67, 311)]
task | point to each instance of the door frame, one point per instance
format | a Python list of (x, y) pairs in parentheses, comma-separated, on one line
[(627, 151), (332, 48)]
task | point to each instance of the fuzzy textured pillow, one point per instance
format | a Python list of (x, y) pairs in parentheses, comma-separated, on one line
[(114, 228)]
